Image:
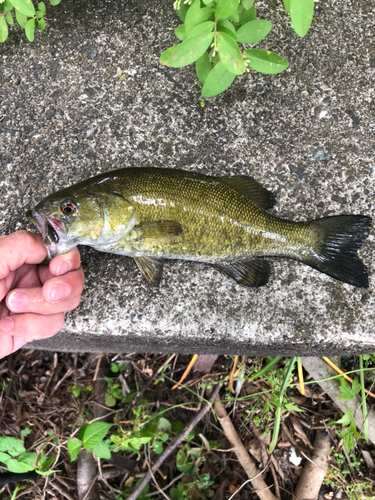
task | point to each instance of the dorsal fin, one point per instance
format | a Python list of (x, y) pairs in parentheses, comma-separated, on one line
[(251, 188)]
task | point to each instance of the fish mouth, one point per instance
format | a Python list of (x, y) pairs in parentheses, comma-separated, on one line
[(52, 231)]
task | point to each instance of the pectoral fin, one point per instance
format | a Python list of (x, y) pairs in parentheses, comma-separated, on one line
[(151, 268), (252, 273), (157, 231), (250, 188)]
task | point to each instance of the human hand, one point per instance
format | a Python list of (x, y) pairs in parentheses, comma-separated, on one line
[(34, 296)]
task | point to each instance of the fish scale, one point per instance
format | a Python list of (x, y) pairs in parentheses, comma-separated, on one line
[(219, 222), (152, 214)]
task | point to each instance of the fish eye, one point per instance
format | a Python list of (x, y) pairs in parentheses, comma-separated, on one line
[(68, 207)]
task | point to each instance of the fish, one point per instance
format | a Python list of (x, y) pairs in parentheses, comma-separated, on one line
[(152, 214)]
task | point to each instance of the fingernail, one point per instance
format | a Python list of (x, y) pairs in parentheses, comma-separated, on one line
[(16, 301), (6, 324), (63, 268), (60, 292)]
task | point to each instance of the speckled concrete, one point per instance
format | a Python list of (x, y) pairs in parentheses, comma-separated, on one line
[(89, 96)]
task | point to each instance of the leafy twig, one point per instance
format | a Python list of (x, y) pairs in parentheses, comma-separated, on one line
[(176, 441)]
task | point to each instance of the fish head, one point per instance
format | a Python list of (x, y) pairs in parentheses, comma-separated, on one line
[(74, 217)]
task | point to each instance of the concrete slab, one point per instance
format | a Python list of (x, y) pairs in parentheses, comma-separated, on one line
[(89, 96)]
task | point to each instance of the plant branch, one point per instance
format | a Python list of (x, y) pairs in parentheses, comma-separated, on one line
[(315, 469), (260, 487), (177, 441)]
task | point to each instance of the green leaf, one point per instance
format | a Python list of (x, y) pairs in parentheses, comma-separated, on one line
[(190, 50), (9, 18), (115, 368), (101, 450), (203, 67), (254, 31), (247, 16), (75, 390), (28, 458), (287, 5), (205, 480), (301, 14), (4, 457), (225, 9), (182, 11), (6, 5), (166, 55), (197, 15), (226, 26), (14, 465), (25, 432), (109, 381), (349, 391), (180, 32), (3, 29), (40, 24), (12, 445), (164, 437), (191, 435), (348, 438), (94, 433), (247, 4), (74, 447), (158, 447), (30, 29), (346, 419), (218, 80), (26, 7), (265, 61), (230, 54), (164, 425), (206, 27), (182, 463), (21, 19), (234, 17), (54, 2), (109, 400), (46, 463), (42, 8), (293, 407)]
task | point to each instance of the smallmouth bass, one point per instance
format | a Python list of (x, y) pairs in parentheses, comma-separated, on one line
[(152, 214)]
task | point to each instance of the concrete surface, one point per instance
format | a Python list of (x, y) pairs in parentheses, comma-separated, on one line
[(89, 96)]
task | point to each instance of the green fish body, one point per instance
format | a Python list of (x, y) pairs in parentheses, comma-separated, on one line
[(153, 214)]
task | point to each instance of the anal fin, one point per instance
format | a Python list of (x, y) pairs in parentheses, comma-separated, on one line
[(151, 268), (252, 273)]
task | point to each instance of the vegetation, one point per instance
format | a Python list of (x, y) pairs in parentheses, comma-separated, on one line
[(26, 16), (214, 35), (264, 396)]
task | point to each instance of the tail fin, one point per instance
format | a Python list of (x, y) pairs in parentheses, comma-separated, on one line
[(341, 237)]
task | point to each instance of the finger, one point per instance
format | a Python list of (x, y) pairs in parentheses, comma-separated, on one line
[(63, 287), (66, 262), (9, 344), (20, 248), (58, 294), (31, 326), (30, 300)]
